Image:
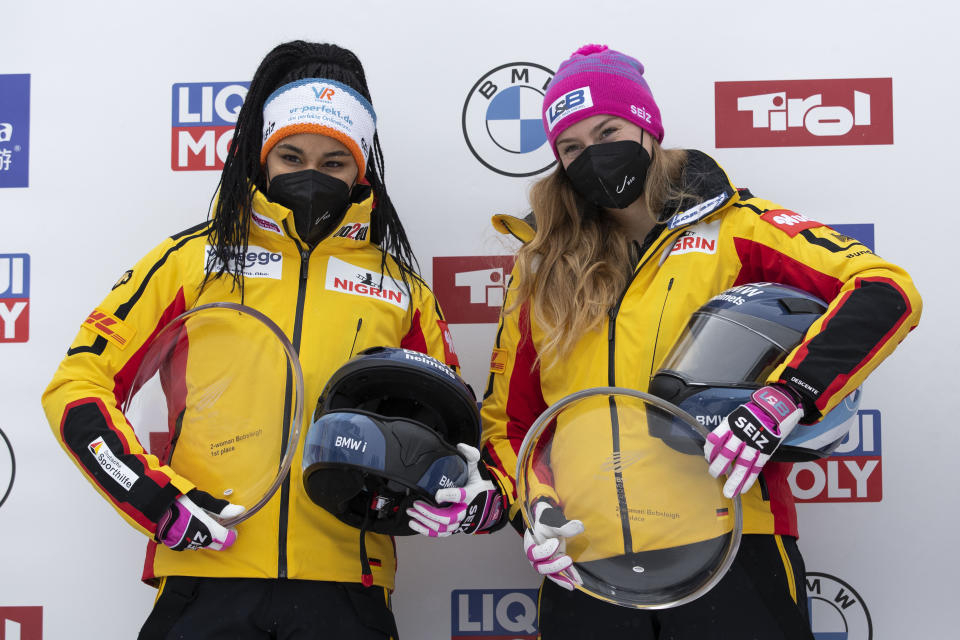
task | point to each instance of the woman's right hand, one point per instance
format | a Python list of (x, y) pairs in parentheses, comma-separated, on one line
[(545, 545), (190, 522)]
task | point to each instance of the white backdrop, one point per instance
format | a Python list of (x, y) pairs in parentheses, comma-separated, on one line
[(102, 192)]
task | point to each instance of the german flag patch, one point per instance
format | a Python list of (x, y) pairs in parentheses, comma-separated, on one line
[(110, 327)]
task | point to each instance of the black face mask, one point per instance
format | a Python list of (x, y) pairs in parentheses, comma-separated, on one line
[(612, 174), (318, 201)]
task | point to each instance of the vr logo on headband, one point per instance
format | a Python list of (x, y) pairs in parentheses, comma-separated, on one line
[(326, 94), (571, 102)]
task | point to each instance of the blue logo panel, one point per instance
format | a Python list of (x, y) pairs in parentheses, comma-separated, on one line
[(14, 275), (862, 232), (207, 104), (494, 614), (14, 130)]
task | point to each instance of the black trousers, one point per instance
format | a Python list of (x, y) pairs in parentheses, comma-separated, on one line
[(762, 597), (254, 609)]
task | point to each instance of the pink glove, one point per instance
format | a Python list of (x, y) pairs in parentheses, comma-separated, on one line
[(746, 438), (546, 545), (474, 508), (190, 523)]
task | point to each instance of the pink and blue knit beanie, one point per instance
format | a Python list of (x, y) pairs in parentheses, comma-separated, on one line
[(594, 80)]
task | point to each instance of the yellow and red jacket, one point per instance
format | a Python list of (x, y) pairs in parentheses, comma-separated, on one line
[(730, 238), (318, 300)]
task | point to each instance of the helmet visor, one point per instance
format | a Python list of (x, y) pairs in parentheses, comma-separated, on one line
[(725, 349), (345, 438), (358, 440)]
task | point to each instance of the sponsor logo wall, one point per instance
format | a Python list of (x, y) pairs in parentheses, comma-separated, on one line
[(829, 121), (837, 612)]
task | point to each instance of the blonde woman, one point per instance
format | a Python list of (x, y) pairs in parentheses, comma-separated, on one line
[(602, 289)]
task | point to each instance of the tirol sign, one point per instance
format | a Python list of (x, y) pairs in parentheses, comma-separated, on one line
[(795, 113)]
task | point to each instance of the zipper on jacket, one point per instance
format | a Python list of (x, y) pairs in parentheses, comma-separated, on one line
[(615, 309), (656, 337), (285, 488), (355, 336), (611, 381)]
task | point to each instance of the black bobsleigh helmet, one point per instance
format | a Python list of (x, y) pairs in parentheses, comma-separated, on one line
[(384, 434), (727, 350)]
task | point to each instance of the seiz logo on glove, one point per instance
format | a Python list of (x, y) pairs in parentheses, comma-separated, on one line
[(474, 508), (746, 438), (190, 523)]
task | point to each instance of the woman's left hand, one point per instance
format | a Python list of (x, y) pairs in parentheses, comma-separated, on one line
[(473, 508), (749, 436)]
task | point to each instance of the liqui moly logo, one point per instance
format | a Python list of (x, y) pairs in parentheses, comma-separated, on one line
[(204, 116), (495, 614), (791, 113), (853, 473), (471, 289), (14, 297)]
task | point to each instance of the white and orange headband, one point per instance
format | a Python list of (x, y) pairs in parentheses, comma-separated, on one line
[(317, 105)]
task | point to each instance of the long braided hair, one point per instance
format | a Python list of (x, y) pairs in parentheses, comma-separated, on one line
[(242, 172)]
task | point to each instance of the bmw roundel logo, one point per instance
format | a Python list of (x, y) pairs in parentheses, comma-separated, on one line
[(502, 120), (836, 610), (7, 467)]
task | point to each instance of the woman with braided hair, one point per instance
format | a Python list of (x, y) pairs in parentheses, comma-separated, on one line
[(302, 183)]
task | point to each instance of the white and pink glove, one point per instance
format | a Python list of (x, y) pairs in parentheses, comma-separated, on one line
[(189, 523), (546, 545), (473, 508), (746, 438)]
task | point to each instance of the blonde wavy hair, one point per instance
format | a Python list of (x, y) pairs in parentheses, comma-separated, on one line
[(580, 261)]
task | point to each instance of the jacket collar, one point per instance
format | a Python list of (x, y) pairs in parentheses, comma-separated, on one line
[(710, 187), (523, 229), (353, 232)]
